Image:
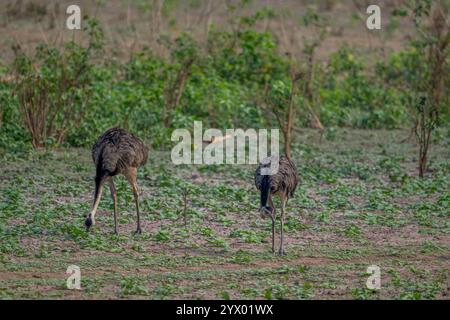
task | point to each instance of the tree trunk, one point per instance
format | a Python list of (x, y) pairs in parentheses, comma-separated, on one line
[(287, 144), (422, 163)]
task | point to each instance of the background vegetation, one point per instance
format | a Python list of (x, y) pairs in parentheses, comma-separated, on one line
[(227, 77)]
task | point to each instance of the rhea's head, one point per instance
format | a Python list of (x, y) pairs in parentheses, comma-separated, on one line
[(266, 212), (88, 222)]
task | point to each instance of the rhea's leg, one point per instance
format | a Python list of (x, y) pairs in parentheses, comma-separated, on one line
[(113, 191), (273, 217), (283, 206), (131, 175), (90, 219)]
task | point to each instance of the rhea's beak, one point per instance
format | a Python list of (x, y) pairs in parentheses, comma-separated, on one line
[(88, 222), (266, 212)]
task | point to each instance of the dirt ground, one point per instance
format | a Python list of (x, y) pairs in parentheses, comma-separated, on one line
[(360, 203)]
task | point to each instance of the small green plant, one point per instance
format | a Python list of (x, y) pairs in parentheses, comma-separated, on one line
[(352, 231), (248, 236), (132, 286), (225, 295), (162, 236), (363, 293)]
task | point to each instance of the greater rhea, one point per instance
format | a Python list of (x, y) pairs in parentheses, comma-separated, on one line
[(116, 152), (282, 183)]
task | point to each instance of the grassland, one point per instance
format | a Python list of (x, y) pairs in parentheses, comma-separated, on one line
[(130, 24), (360, 203)]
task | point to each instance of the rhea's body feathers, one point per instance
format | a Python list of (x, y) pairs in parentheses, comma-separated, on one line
[(116, 150), (285, 180)]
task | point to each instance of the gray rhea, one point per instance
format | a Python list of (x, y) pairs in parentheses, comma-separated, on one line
[(283, 184), (116, 152)]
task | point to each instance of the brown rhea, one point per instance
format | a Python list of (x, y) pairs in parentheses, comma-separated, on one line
[(116, 152), (283, 183)]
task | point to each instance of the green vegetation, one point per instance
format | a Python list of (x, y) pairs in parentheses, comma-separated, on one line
[(339, 223), (361, 200), (214, 81)]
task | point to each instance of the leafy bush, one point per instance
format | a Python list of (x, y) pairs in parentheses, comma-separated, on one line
[(53, 86), (353, 97), (223, 84)]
